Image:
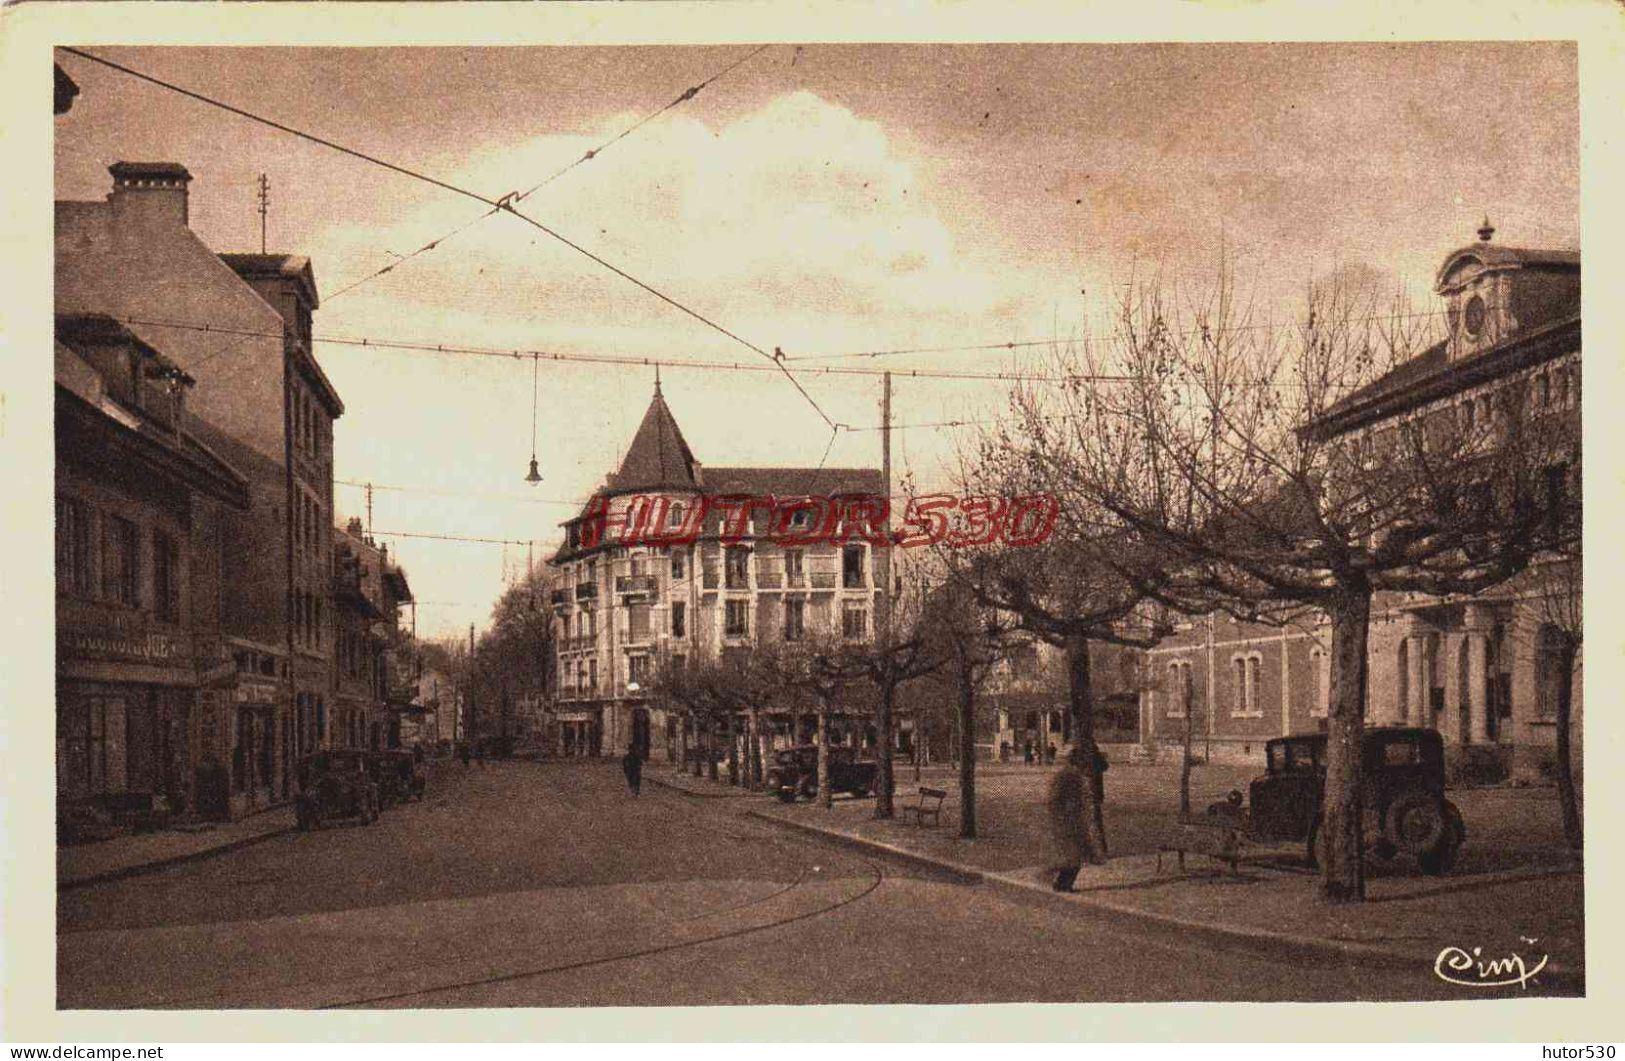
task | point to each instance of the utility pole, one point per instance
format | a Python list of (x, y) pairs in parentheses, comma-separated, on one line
[(265, 206), (472, 728), (369, 510), (885, 474)]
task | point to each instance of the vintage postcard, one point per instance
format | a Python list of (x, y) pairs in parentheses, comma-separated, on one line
[(570, 522)]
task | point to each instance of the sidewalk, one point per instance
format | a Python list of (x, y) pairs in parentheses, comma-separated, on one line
[(1518, 886), (125, 856)]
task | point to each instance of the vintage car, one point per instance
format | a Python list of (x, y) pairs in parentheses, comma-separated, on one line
[(794, 773), (1402, 794), (398, 777), (333, 785)]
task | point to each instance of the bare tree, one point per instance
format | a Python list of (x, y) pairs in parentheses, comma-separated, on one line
[(1234, 461), (973, 641), (1559, 641)]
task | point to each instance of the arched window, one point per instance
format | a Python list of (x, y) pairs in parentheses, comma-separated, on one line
[(1247, 670)]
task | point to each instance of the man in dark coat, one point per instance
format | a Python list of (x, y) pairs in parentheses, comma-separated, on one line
[(1066, 822), (632, 766)]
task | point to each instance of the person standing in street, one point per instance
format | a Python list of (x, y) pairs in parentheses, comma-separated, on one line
[(1066, 821), (632, 766)]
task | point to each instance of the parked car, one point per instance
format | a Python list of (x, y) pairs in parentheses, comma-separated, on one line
[(398, 777), (1401, 791), (794, 773), (336, 784)]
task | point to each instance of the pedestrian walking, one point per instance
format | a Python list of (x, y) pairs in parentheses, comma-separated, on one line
[(1099, 792), (1066, 822), (632, 766)]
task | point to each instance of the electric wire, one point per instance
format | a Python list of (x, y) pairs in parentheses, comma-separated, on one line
[(505, 204), (591, 154)]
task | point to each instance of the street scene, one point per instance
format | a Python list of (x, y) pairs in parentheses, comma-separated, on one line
[(790, 525)]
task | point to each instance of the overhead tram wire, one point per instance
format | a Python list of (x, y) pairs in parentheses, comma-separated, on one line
[(629, 360), (492, 494), (591, 154), (505, 204)]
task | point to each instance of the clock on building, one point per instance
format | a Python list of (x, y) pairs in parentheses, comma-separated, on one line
[(1473, 316)]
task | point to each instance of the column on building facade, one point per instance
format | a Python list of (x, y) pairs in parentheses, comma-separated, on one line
[(1415, 711), (1476, 623)]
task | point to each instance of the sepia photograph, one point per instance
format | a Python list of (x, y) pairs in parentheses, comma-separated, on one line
[(805, 524)]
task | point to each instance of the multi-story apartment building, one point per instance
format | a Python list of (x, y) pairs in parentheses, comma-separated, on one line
[(1480, 670), (373, 681), (139, 504), (626, 610), (240, 325)]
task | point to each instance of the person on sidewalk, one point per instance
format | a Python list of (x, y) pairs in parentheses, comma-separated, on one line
[(632, 766), (1066, 821)]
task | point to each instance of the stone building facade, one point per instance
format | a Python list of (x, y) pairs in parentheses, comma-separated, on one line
[(624, 612), (240, 325)]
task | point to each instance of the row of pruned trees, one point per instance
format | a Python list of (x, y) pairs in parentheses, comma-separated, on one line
[(1197, 471)]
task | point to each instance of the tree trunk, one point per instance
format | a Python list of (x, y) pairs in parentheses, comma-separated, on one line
[(734, 776), (1081, 699), (885, 783), (1342, 872), (682, 744), (711, 751), (1573, 830), (919, 744), (753, 749), (967, 756), (795, 726), (1185, 760), (825, 797)]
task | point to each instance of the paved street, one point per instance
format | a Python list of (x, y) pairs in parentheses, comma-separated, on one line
[(520, 884)]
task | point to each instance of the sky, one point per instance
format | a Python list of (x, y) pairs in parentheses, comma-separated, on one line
[(817, 199)]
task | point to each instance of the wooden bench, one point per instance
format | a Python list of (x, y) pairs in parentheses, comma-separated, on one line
[(1213, 838), (921, 811)]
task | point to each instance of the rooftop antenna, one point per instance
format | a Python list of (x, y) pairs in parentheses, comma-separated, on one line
[(265, 206)]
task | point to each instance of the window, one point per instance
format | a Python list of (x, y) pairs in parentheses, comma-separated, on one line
[(1179, 688), (638, 622), (679, 619), (736, 621), (120, 560), (795, 620), (852, 567), (72, 547), (854, 622), (793, 564), (637, 670), (166, 577), (1543, 390), (675, 519), (679, 565), (1246, 669), (1321, 705), (738, 561), (592, 674)]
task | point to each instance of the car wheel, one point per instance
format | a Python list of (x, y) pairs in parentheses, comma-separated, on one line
[(1416, 823), (1441, 859)]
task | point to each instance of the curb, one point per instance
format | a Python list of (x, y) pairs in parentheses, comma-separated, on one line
[(174, 860), (1569, 981)]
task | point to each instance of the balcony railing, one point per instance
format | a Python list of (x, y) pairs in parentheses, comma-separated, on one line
[(738, 579), (635, 584), (795, 579), (559, 597), (587, 591), (769, 579), (823, 579), (710, 578)]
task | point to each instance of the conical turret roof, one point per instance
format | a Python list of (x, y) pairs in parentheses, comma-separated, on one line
[(659, 457)]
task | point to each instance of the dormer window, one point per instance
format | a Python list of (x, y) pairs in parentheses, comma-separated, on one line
[(1472, 317)]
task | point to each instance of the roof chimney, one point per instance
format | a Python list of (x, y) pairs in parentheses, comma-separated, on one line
[(1485, 230), (150, 190)]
